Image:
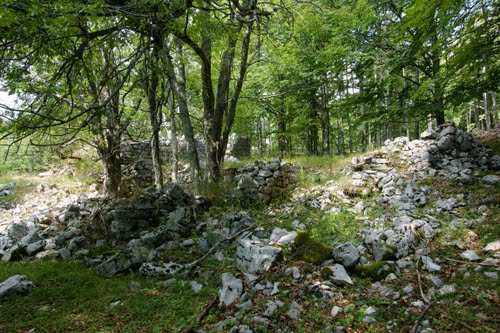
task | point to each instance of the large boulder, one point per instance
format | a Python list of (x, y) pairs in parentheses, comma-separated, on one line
[(16, 284), (253, 256)]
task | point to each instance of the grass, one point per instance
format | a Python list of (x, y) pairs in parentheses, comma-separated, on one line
[(71, 298)]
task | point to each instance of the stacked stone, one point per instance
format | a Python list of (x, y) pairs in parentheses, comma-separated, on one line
[(137, 164), (447, 151), (265, 181)]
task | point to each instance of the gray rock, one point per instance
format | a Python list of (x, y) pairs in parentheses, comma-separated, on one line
[(335, 311), (493, 246), (447, 205), (435, 281), (196, 287), (17, 230), (408, 289), (5, 242), (492, 275), (271, 308), (164, 271), (65, 253), (131, 257), (232, 289), (294, 272), (247, 182), (174, 192), (346, 254), (337, 274), (469, 255), (35, 247), (369, 320), (381, 251), (429, 265), (491, 179), (254, 257), (428, 134), (31, 237), (16, 284), (282, 236), (294, 310), (77, 243), (446, 290)]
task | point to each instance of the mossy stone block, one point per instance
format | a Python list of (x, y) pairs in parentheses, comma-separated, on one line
[(310, 250)]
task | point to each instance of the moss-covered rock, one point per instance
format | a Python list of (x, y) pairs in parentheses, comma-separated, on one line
[(375, 271), (310, 250)]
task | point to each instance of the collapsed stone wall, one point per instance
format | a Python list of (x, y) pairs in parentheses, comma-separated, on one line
[(265, 181), (137, 163), (447, 151)]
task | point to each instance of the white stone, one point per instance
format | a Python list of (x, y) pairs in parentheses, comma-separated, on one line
[(469, 255), (335, 311), (231, 290)]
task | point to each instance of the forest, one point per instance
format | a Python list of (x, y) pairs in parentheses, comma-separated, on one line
[(249, 166), (318, 78)]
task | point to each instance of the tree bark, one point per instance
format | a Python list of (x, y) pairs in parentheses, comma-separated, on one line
[(154, 108), (179, 87)]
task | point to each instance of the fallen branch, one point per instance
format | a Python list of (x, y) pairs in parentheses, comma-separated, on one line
[(195, 263), (419, 319), (426, 300), (209, 306), (460, 322), (470, 263)]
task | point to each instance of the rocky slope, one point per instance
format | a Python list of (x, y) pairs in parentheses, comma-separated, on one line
[(409, 202)]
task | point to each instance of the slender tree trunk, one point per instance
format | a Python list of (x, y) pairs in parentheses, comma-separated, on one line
[(178, 85), (174, 142), (231, 111), (494, 109), (487, 111), (154, 105), (476, 115)]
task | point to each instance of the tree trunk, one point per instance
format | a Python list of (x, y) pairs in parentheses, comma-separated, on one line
[(494, 110), (154, 106), (173, 138), (179, 87), (487, 111)]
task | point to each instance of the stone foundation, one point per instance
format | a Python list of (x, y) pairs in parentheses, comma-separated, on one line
[(265, 181)]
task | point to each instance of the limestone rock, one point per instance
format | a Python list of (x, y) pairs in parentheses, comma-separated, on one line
[(337, 274), (16, 284), (470, 255), (254, 257), (231, 290), (429, 265), (493, 246), (346, 254), (491, 179)]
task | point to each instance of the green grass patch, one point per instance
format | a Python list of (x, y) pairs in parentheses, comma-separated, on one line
[(71, 298), (339, 227)]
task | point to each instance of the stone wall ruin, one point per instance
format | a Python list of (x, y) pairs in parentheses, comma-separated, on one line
[(265, 181)]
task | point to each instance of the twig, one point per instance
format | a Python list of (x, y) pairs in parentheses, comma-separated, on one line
[(471, 263), (459, 321), (207, 309), (426, 300), (419, 319), (195, 263)]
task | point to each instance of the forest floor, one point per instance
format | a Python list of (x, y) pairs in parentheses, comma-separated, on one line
[(69, 297)]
